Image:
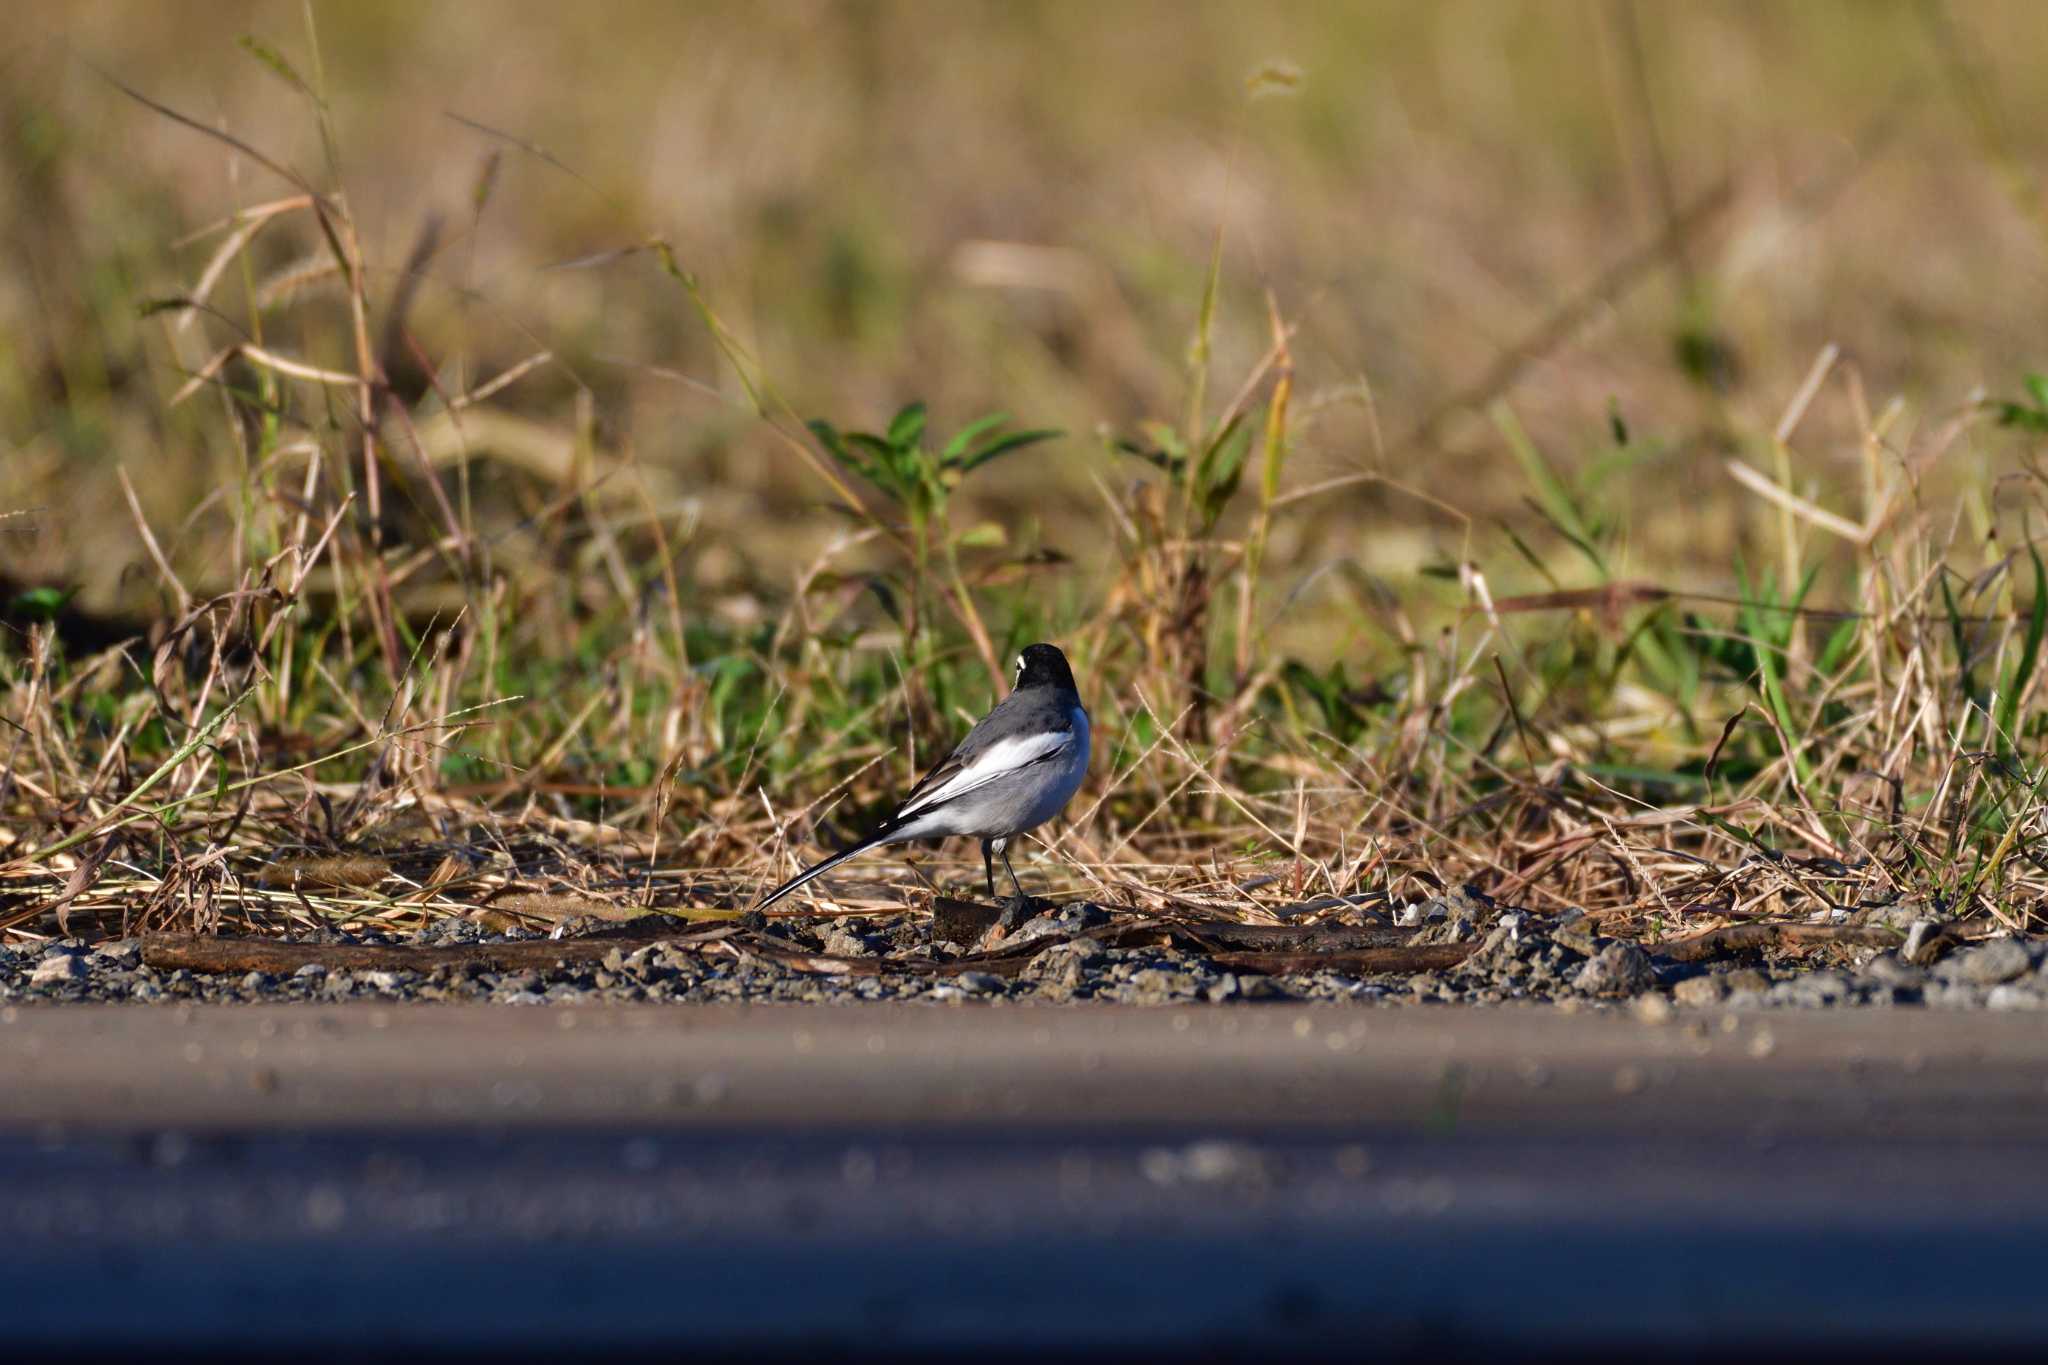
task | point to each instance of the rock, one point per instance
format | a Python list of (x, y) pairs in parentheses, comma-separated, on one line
[(648, 966), (1508, 943), (2015, 997), (451, 929), (312, 971), (1956, 995), (1810, 990), (1064, 923), (1700, 992), (58, 969), (1455, 918), (1651, 1007), (1158, 985), (1746, 981), (387, 981), (1574, 930), (1988, 964), (1062, 968), (257, 982), (839, 941), (979, 983), (1888, 969), (125, 952), (1617, 969)]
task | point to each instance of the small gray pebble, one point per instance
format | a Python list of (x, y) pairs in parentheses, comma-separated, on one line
[(58, 969), (125, 952), (1700, 992), (1888, 969), (2011, 997), (1617, 969), (979, 983)]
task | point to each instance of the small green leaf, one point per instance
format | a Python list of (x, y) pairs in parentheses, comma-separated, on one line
[(1838, 646), (1554, 499), (984, 536), (972, 432), (906, 428), (875, 446), (1165, 438), (1163, 459), (40, 604), (1222, 466), (1003, 445), (837, 447)]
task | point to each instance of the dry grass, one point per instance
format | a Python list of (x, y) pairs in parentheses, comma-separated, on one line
[(436, 639)]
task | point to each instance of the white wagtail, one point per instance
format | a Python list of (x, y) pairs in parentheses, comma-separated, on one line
[(1014, 771)]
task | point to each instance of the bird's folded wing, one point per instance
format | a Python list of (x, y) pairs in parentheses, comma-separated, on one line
[(958, 776)]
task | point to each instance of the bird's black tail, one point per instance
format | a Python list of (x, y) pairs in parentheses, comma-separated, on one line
[(875, 840)]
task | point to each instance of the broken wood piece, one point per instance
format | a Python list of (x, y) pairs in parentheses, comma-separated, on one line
[(1742, 937), (234, 956), (1407, 958)]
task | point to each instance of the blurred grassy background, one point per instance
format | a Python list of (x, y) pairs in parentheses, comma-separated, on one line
[(1012, 207)]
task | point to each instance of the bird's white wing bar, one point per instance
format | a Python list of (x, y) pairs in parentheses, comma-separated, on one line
[(999, 760)]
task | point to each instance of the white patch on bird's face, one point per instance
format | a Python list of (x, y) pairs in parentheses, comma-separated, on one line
[(1020, 668)]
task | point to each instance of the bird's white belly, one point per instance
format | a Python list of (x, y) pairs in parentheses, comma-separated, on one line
[(1059, 787)]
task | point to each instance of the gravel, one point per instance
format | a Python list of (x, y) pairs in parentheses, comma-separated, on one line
[(1517, 956)]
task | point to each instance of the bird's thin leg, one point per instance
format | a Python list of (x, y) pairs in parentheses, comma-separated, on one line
[(1016, 909), (988, 865), (1015, 885)]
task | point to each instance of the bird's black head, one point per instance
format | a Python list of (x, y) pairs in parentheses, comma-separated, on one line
[(1043, 666)]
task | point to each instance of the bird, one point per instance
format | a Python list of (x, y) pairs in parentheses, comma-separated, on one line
[(1016, 769)]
